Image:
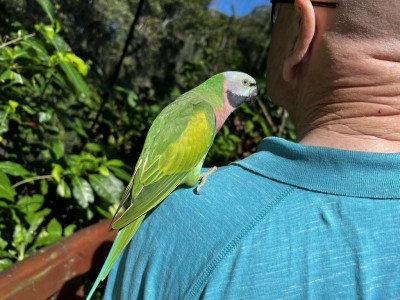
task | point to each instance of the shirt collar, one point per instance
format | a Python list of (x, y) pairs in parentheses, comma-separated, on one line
[(328, 170)]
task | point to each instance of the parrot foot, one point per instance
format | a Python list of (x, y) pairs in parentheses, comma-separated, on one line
[(203, 178)]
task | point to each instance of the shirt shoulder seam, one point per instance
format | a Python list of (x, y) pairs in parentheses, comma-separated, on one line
[(197, 287)]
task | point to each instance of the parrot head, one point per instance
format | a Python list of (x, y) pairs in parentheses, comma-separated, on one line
[(240, 87)]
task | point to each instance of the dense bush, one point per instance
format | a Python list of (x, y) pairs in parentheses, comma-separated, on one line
[(49, 179)]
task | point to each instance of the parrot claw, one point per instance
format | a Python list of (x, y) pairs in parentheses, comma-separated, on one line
[(203, 179)]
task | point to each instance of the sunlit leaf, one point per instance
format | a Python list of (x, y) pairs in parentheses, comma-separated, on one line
[(10, 75), (3, 123), (18, 235), (52, 234), (120, 173), (13, 104), (4, 263), (58, 148), (44, 187), (74, 77), (6, 191), (18, 78), (115, 163), (63, 189), (56, 171), (109, 187), (36, 219), (82, 191), (13, 169), (45, 116), (93, 147), (6, 75), (28, 109), (54, 228), (103, 170), (30, 204), (78, 62), (69, 230), (3, 244), (38, 47), (132, 99), (58, 42), (106, 214), (48, 8)]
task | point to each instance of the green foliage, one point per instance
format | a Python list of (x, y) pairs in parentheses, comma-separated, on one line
[(50, 182)]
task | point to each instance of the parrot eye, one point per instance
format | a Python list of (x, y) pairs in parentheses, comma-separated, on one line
[(245, 82)]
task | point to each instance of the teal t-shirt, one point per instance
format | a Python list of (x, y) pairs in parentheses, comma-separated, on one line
[(288, 222)]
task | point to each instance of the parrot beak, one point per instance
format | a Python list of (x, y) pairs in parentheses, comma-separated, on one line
[(253, 95)]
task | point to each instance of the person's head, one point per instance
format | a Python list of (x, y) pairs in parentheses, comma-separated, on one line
[(321, 55)]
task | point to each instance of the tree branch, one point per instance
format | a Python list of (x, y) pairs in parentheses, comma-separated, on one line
[(117, 69), (32, 179)]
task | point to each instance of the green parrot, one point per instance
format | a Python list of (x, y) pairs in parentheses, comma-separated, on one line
[(174, 151)]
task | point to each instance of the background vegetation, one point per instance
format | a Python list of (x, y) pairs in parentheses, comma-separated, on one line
[(81, 82)]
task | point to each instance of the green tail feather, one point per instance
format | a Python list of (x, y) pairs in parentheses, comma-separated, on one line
[(122, 239)]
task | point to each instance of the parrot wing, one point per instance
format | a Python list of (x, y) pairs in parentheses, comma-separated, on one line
[(176, 144)]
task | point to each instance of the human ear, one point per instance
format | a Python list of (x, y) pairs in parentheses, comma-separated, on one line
[(304, 33)]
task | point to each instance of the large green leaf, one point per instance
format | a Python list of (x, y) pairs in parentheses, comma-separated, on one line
[(103, 170), (78, 62), (10, 75), (93, 147), (74, 77), (6, 190), (109, 187), (4, 263), (63, 189), (36, 219), (52, 234), (120, 173), (115, 163), (44, 187), (6, 254), (58, 42), (82, 191), (30, 204), (70, 229), (48, 8), (37, 45), (3, 122), (54, 228), (3, 245), (19, 235), (56, 171), (13, 169), (58, 148), (78, 127)]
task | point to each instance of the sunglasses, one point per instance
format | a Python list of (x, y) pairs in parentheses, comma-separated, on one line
[(274, 10)]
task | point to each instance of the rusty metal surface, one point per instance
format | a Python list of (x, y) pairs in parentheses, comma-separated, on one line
[(57, 267)]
